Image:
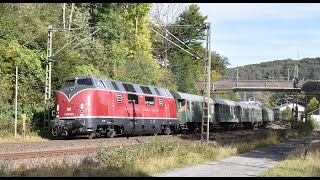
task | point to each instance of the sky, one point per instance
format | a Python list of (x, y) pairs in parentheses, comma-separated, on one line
[(251, 33)]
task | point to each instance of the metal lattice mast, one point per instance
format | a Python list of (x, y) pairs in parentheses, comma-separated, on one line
[(48, 80), (295, 73), (206, 114), (295, 104), (49, 61)]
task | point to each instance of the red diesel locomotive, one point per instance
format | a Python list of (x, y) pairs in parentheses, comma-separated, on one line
[(98, 107)]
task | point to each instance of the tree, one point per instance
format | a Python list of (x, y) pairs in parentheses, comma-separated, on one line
[(287, 114), (313, 104), (185, 68)]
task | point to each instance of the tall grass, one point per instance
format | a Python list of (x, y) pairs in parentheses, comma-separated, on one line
[(157, 155), (261, 139), (298, 164)]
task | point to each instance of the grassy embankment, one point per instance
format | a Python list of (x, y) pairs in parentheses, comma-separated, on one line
[(153, 157)]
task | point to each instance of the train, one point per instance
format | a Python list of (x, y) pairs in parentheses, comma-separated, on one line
[(98, 107)]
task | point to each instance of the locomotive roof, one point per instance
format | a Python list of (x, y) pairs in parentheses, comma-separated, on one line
[(134, 88), (77, 77), (138, 88)]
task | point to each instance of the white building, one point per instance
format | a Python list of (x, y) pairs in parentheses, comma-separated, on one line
[(315, 115), (290, 105)]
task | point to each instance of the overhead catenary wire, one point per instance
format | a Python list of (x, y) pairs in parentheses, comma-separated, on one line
[(56, 59), (175, 44), (182, 42), (70, 42)]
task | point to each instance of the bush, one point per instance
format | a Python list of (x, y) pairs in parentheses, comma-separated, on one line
[(34, 119)]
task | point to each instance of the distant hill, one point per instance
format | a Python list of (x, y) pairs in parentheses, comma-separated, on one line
[(308, 69)]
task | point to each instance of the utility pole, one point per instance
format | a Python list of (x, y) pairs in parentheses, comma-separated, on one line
[(237, 74), (64, 17), (295, 108), (206, 113), (70, 18), (16, 105), (288, 75)]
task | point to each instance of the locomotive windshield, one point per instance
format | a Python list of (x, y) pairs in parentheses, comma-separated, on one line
[(78, 81)]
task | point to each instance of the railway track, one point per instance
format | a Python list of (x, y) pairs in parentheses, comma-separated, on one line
[(40, 154), (51, 153)]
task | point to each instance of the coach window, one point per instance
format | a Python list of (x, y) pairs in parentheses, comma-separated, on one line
[(183, 107), (188, 106), (179, 106), (132, 98), (149, 101), (191, 106)]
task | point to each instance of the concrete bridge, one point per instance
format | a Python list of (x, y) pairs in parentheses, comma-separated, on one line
[(253, 85)]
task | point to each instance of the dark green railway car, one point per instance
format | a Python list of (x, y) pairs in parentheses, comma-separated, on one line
[(189, 108), (267, 115), (227, 113), (256, 115)]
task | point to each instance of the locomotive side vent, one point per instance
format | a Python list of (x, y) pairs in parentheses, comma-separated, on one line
[(160, 102), (119, 98)]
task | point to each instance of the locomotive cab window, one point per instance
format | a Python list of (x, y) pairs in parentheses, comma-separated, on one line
[(149, 101), (132, 98), (86, 81), (75, 81)]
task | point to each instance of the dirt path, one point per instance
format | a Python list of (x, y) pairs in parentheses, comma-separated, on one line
[(244, 165)]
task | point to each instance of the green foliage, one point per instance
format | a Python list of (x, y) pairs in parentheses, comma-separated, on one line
[(287, 114), (313, 104), (30, 75), (7, 117)]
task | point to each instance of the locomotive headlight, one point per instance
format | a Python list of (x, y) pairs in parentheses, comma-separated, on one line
[(81, 106), (58, 107)]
